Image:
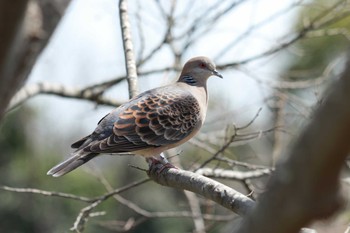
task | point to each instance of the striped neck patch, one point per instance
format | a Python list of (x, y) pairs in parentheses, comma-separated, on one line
[(189, 80)]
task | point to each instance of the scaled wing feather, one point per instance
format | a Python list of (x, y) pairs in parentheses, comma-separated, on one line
[(151, 120)]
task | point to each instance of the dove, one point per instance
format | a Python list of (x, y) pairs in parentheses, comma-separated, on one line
[(150, 123)]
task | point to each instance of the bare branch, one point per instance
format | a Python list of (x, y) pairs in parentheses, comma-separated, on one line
[(234, 175), (60, 90), (99, 88), (221, 150), (318, 22), (236, 137), (249, 30), (167, 35), (46, 193), (72, 196), (234, 163), (114, 193), (251, 121), (92, 93), (83, 217), (85, 212), (213, 190), (207, 22), (130, 64)]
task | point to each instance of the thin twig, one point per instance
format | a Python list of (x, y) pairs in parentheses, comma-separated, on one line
[(234, 163), (318, 22), (46, 193), (72, 196), (218, 152), (256, 26), (251, 121), (85, 212)]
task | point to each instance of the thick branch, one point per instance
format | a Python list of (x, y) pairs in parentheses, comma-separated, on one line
[(305, 184), (130, 64), (211, 189)]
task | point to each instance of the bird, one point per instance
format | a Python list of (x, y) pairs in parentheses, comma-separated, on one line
[(150, 123)]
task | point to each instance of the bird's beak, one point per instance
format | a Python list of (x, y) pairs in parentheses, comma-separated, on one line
[(216, 73)]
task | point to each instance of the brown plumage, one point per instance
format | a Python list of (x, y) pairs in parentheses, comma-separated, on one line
[(150, 123)]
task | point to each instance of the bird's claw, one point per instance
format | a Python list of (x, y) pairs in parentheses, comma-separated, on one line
[(164, 163)]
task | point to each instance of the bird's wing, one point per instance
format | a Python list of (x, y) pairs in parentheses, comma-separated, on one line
[(100, 131), (156, 118)]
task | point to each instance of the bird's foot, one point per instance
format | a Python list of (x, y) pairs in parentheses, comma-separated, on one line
[(162, 162)]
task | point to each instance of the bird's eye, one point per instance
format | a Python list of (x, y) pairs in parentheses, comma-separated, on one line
[(202, 65)]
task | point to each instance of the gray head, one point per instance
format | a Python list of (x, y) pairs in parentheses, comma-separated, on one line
[(197, 70)]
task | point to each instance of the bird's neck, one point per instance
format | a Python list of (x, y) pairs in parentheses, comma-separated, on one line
[(192, 81), (188, 79)]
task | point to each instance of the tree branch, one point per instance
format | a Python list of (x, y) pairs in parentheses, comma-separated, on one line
[(60, 90), (130, 64), (318, 22), (233, 175), (211, 189)]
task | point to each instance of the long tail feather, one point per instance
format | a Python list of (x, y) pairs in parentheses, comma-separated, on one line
[(70, 164)]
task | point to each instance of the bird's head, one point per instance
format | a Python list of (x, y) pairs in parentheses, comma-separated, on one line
[(197, 70)]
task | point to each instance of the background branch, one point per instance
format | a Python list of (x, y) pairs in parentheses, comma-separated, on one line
[(310, 171), (32, 90), (22, 43), (12, 41)]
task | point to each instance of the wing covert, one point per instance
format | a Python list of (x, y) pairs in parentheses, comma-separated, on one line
[(156, 119)]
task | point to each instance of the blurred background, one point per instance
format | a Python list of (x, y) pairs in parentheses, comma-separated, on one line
[(277, 58)]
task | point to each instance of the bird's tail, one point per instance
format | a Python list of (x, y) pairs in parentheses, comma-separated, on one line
[(78, 159)]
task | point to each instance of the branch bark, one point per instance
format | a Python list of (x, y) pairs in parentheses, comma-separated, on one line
[(305, 184), (211, 189), (32, 90), (130, 64), (233, 175)]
